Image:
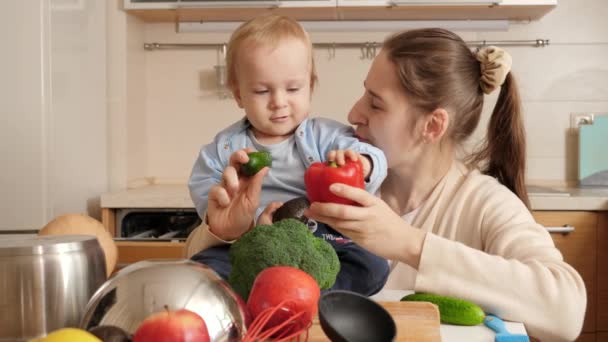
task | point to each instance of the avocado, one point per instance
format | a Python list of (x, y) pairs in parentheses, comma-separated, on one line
[(257, 161), (110, 333), (294, 208), (451, 310)]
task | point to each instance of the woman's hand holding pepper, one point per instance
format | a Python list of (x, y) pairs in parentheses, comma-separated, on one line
[(233, 202), (373, 225)]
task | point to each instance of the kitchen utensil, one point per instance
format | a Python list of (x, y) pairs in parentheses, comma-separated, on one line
[(146, 287), (350, 317), (502, 334), (46, 282)]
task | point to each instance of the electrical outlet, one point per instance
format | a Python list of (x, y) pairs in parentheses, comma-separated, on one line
[(577, 119)]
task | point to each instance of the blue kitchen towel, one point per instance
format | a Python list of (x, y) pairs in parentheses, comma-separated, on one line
[(592, 154)]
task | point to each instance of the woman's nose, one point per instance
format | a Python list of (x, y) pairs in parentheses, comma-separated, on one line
[(354, 116)]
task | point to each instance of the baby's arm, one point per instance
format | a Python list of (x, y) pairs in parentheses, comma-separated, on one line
[(340, 156)]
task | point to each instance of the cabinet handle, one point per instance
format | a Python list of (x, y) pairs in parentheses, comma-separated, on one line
[(227, 4), (566, 229), (444, 2)]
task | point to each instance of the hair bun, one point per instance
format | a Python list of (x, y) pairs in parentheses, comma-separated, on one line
[(495, 65)]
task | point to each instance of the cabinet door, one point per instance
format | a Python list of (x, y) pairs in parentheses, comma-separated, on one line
[(442, 2), (602, 275), (579, 250), (23, 132), (152, 4), (229, 10)]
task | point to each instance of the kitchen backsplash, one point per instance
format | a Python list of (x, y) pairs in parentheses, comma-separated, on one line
[(168, 106)]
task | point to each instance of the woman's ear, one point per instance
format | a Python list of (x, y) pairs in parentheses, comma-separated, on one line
[(436, 125)]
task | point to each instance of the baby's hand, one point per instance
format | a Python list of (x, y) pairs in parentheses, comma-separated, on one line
[(339, 157)]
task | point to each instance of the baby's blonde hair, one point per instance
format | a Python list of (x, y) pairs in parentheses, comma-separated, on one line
[(267, 29)]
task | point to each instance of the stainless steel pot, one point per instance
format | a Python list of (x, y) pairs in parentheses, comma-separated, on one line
[(46, 282), (141, 289)]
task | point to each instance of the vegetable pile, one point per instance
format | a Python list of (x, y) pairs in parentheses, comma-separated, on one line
[(287, 242)]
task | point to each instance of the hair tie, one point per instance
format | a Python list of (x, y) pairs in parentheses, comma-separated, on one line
[(495, 65)]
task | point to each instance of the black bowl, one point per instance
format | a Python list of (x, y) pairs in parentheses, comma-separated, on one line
[(350, 317)]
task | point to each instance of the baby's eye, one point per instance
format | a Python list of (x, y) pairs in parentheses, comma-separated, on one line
[(260, 91), (293, 89)]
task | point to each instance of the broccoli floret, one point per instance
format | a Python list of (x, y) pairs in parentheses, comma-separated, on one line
[(287, 242)]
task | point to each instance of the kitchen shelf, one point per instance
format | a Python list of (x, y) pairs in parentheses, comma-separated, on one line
[(168, 11)]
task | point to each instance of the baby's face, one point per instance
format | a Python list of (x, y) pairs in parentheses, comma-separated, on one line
[(273, 87)]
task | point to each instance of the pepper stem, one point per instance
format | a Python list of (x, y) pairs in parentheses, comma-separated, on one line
[(332, 164)]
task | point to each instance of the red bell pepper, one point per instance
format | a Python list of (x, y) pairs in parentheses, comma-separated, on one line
[(319, 176)]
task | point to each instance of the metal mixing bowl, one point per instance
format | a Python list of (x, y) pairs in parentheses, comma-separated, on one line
[(146, 287)]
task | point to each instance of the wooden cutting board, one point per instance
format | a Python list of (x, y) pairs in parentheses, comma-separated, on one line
[(416, 321)]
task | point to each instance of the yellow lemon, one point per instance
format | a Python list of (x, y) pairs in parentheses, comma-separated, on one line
[(68, 335)]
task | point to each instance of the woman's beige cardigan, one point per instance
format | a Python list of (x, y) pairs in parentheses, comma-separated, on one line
[(485, 246)]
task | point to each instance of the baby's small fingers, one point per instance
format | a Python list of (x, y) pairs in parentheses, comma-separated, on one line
[(352, 155), (230, 180), (331, 155), (340, 160), (219, 195), (240, 157), (266, 216)]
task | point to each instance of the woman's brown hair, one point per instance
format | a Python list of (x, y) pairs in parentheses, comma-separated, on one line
[(438, 70)]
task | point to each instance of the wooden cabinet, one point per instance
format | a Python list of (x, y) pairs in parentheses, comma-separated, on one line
[(237, 10), (579, 249), (130, 252)]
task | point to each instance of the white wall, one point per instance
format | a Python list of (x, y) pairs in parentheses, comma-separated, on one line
[(176, 109)]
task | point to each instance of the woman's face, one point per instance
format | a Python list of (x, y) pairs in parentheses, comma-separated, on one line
[(383, 116)]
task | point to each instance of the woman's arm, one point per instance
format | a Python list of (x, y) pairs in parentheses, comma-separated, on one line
[(373, 225), (495, 254), (479, 244)]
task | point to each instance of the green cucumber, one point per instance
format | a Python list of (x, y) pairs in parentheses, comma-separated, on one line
[(451, 310), (257, 161)]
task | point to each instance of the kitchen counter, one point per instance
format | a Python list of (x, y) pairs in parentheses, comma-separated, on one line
[(177, 196), (455, 333)]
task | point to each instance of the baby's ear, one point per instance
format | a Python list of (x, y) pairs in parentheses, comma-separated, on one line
[(236, 93)]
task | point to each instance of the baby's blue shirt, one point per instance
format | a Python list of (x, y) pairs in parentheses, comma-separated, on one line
[(311, 142)]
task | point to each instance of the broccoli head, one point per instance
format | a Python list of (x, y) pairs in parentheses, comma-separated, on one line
[(288, 242)]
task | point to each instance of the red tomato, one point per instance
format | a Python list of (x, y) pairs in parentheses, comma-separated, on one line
[(278, 284)]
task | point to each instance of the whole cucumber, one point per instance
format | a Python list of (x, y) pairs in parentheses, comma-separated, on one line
[(451, 310)]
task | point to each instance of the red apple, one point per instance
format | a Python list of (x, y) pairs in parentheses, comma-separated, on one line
[(172, 326)]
